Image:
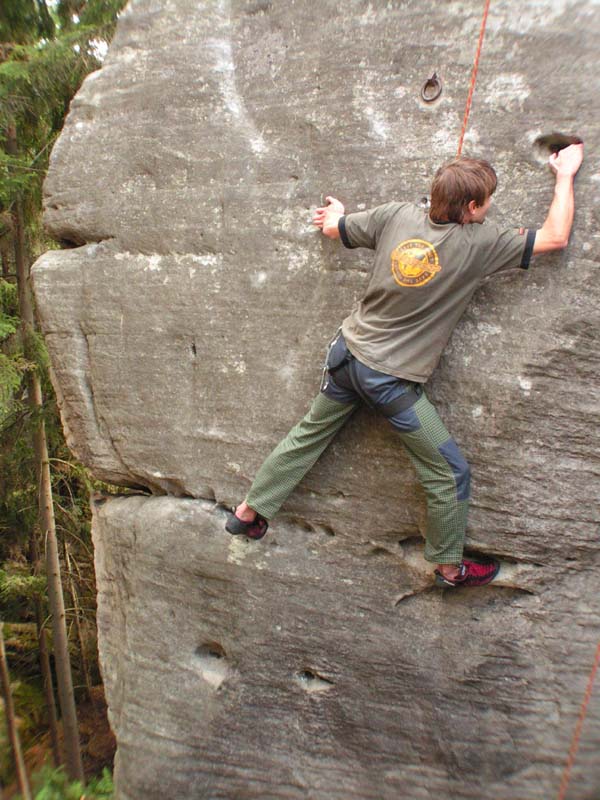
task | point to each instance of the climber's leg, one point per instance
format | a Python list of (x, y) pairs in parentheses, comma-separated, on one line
[(445, 476)]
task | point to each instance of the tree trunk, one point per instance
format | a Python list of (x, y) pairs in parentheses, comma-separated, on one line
[(66, 696), (5, 260), (78, 616), (62, 660), (45, 658), (47, 679), (11, 723)]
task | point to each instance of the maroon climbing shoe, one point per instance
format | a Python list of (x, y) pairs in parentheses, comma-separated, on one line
[(472, 573), (253, 530)]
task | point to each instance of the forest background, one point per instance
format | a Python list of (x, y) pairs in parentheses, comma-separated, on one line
[(54, 737)]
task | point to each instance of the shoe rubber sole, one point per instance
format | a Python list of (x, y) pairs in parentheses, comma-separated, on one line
[(253, 530), (444, 583)]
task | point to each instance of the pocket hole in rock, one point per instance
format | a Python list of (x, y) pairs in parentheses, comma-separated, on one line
[(554, 142), (211, 650), (313, 682), (212, 662), (379, 551), (304, 525), (69, 244)]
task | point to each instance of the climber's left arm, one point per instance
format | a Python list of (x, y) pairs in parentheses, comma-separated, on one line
[(327, 217)]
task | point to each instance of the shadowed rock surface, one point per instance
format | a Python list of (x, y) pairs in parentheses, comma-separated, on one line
[(186, 331)]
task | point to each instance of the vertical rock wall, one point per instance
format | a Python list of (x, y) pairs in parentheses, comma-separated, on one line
[(186, 327)]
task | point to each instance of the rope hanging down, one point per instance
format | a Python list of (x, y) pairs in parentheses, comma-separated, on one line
[(576, 735), (588, 692), (590, 685), (473, 77)]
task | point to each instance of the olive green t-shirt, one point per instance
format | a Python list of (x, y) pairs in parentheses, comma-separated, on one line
[(423, 277)]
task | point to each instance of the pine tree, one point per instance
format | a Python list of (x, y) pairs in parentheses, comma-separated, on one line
[(11, 723), (45, 53)]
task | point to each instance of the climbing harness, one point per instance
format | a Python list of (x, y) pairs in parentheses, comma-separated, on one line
[(341, 363), (577, 733), (473, 77), (337, 355)]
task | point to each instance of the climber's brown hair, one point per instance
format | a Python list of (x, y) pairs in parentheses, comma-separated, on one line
[(456, 184)]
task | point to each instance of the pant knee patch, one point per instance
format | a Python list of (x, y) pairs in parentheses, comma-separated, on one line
[(406, 421), (459, 466)]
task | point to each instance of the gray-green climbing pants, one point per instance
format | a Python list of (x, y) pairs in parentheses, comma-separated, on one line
[(440, 466)]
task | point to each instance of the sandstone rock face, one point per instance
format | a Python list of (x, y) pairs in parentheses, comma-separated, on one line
[(187, 329), (319, 666)]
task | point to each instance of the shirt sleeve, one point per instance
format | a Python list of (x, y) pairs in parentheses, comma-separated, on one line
[(509, 248), (363, 228)]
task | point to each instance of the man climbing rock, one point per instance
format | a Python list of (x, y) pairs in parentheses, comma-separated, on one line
[(427, 265)]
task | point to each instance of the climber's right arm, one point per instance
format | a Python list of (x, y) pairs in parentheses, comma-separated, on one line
[(554, 233)]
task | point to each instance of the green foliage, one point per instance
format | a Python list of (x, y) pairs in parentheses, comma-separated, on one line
[(37, 352), (53, 784), (25, 20), (46, 51), (16, 177), (13, 365), (100, 15), (20, 586), (20, 640), (8, 326), (11, 375), (9, 301), (27, 693), (30, 706), (18, 488), (39, 74)]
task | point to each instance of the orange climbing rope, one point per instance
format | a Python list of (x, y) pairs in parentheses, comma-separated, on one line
[(590, 685), (473, 77), (577, 733)]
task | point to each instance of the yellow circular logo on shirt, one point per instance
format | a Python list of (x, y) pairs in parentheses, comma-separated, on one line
[(414, 262)]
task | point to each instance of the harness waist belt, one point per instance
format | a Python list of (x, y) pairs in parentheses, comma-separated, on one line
[(345, 375)]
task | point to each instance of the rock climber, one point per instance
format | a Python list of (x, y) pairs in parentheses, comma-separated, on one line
[(427, 265)]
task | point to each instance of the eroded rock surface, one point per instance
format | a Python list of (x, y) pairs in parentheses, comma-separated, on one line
[(186, 330), (327, 667)]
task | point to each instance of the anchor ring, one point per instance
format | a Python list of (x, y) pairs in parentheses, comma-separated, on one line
[(431, 89)]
